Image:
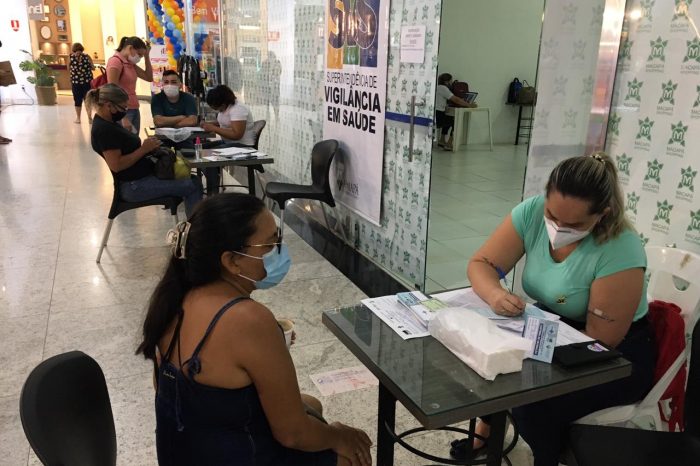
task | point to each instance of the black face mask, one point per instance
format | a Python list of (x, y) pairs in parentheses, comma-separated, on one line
[(118, 116)]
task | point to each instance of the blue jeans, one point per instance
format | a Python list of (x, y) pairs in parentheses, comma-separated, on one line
[(134, 117), (150, 187)]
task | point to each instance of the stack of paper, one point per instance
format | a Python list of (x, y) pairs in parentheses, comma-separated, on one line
[(422, 306)]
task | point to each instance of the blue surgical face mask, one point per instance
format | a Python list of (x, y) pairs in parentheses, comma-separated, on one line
[(276, 263)]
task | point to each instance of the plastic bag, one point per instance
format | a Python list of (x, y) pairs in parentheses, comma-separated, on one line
[(174, 134), (479, 343)]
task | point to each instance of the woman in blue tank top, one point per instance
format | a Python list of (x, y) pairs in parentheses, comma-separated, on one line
[(226, 387)]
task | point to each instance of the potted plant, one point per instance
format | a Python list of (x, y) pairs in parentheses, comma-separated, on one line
[(44, 79)]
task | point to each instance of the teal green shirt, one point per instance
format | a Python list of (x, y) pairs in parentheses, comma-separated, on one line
[(565, 286)]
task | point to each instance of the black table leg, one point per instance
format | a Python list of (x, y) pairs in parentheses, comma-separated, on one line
[(251, 180), (497, 435), (387, 417), (520, 119), (213, 177)]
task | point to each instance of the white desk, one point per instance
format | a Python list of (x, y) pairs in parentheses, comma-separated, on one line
[(460, 132)]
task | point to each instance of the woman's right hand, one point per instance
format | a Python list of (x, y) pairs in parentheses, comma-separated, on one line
[(505, 303), (352, 444), (150, 144)]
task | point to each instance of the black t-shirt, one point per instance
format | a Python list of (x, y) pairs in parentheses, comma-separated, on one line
[(106, 135)]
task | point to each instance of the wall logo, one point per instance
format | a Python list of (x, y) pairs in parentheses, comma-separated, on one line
[(549, 53), (643, 138), (657, 56), (647, 10), (667, 91), (644, 239), (570, 11), (678, 134), (625, 54), (14, 23), (692, 53), (542, 119), (686, 185), (632, 202), (614, 123), (667, 99), (352, 33), (658, 50), (633, 88), (569, 119), (687, 179), (560, 83), (654, 171), (623, 164), (652, 179), (681, 9), (691, 60), (694, 224), (587, 85), (663, 212)]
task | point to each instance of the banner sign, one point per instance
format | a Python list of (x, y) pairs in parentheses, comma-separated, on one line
[(355, 95), (35, 10), (654, 125)]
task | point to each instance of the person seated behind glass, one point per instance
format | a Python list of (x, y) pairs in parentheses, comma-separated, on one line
[(234, 121), (585, 263), (443, 94), (172, 107), (226, 387), (126, 155)]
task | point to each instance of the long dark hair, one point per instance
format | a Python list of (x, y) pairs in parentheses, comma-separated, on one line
[(135, 42), (593, 178), (220, 223), (221, 95)]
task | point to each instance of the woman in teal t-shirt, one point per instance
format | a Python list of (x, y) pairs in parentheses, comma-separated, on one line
[(586, 263)]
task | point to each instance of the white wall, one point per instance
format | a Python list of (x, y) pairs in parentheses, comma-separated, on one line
[(12, 42), (487, 43)]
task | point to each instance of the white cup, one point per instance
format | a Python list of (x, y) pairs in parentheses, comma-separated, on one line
[(288, 328)]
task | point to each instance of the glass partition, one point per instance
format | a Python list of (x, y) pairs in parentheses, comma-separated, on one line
[(476, 183), (274, 61)]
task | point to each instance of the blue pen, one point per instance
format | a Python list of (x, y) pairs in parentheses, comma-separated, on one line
[(501, 275)]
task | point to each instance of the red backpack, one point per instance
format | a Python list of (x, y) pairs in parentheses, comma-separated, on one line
[(101, 80)]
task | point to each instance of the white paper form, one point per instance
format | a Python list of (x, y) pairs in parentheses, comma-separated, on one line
[(466, 298), (344, 380), (396, 316)]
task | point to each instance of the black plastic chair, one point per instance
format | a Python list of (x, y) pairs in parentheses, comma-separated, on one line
[(119, 206), (592, 445), (320, 189), (66, 413)]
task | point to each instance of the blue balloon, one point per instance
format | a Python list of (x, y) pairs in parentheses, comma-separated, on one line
[(177, 33), (168, 33), (160, 41)]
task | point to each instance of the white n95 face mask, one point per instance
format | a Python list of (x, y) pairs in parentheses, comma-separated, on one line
[(560, 237)]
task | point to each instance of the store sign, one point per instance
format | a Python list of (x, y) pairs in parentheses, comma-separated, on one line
[(15, 24), (355, 96), (35, 9)]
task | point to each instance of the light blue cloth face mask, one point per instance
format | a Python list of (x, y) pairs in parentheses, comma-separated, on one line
[(276, 262)]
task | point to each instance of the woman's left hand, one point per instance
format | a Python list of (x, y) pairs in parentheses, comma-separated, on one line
[(209, 127)]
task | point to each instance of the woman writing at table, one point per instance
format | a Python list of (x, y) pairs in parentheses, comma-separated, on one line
[(234, 121), (586, 264)]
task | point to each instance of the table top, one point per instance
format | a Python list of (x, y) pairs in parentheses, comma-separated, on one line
[(438, 388), (203, 163)]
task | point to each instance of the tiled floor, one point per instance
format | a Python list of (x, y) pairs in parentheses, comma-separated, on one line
[(54, 196), (471, 191)]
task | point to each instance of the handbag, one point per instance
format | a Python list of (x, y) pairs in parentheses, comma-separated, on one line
[(169, 165), (164, 163), (527, 94)]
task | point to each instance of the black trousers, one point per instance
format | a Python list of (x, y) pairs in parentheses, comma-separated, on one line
[(545, 425), (444, 122)]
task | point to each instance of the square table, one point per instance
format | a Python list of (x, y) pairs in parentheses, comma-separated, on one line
[(460, 131), (202, 164), (438, 389)]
